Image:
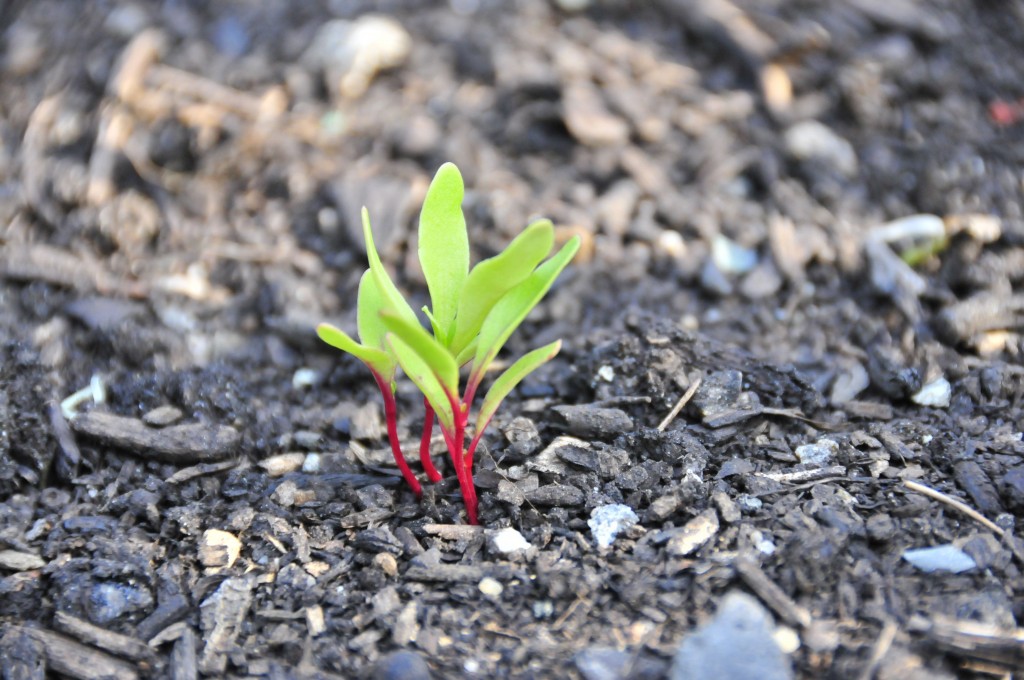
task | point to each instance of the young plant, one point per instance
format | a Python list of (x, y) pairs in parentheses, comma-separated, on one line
[(472, 314)]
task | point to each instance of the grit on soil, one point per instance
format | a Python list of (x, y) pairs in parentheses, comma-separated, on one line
[(179, 197)]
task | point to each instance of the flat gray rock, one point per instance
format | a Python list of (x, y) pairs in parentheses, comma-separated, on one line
[(735, 645)]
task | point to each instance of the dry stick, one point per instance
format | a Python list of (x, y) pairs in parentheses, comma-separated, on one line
[(683, 401), (949, 500), (879, 650)]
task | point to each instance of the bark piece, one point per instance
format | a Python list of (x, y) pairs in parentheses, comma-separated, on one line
[(179, 444)]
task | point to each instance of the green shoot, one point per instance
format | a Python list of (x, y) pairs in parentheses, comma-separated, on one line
[(472, 314)]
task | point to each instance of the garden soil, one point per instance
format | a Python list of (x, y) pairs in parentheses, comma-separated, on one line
[(791, 338)]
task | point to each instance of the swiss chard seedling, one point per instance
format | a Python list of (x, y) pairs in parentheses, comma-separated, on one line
[(472, 314)]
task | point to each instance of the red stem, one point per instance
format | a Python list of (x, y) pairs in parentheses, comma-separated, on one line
[(456, 442), (391, 415), (428, 429)]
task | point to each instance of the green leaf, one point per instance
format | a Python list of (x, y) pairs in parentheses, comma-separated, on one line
[(377, 359), (391, 298), (494, 277), (444, 245), (422, 374), (437, 357), (369, 304), (510, 311), (508, 380), (463, 357)]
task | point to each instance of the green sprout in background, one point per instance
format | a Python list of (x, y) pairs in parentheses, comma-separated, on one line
[(472, 314)]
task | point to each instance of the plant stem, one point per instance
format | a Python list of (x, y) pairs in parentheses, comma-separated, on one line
[(456, 442), (391, 415), (428, 429)]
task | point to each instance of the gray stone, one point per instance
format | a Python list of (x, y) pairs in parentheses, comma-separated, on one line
[(736, 644), (402, 665), (586, 420)]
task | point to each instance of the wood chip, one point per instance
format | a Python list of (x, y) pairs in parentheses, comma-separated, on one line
[(122, 645), (73, 659), (179, 444), (458, 573), (218, 550), (771, 594)]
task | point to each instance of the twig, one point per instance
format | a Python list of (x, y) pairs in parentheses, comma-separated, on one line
[(952, 502), (771, 594), (683, 401), (879, 650)]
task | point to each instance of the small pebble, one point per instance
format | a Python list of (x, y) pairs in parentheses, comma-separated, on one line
[(387, 563), (940, 558), (739, 642), (490, 587), (509, 540), (936, 394), (402, 665), (162, 416), (810, 139), (693, 534), (818, 454), (607, 521), (730, 257), (749, 504), (282, 464), (312, 463), (305, 377)]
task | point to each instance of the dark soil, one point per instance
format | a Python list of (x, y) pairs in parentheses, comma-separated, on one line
[(179, 196)]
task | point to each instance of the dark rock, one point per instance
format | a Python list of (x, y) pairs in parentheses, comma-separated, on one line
[(509, 492), (584, 458), (378, 540), (633, 478), (585, 420), (556, 494), (523, 437), (972, 479), (1011, 484), (610, 462), (109, 601), (881, 527), (718, 392)]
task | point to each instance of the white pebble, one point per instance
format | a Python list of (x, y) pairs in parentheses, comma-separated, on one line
[(606, 373), (491, 587), (305, 377), (607, 521), (730, 257), (936, 394), (509, 540)]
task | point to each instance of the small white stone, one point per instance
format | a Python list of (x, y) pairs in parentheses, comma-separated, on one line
[(940, 558), (730, 257), (671, 243), (606, 373), (509, 540), (305, 377), (283, 463), (820, 453), (936, 394), (312, 463), (607, 521), (491, 587), (810, 139)]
